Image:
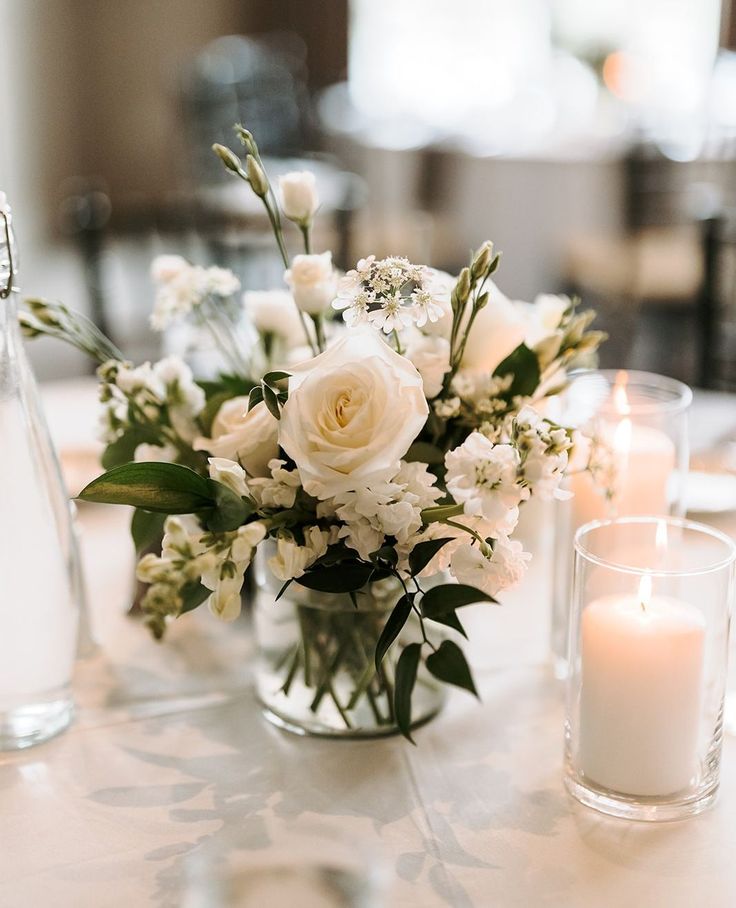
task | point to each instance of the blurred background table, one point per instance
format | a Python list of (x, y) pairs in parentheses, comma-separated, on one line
[(169, 753)]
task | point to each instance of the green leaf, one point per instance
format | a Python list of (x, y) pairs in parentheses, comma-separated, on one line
[(386, 553), (193, 595), (524, 366), (271, 378), (166, 488), (450, 620), (147, 529), (255, 397), (424, 552), (230, 510), (123, 449), (448, 664), (271, 400), (391, 630), (448, 596), (406, 676), (342, 578), (425, 452)]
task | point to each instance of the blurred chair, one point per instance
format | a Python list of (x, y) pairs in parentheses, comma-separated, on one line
[(653, 270), (717, 304)]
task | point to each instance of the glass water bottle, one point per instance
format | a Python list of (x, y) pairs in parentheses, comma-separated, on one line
[(39, 595)]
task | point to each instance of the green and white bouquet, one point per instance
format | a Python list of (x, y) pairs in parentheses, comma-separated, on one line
[(383, 431)]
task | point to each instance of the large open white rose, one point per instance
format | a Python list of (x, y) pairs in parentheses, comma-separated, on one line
[(351, 415)]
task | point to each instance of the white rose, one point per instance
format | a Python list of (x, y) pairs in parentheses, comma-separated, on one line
[(498, 330), (351, 415), (249, 437), (431, 355), (230, 474), (165, 268), (298, 191), (313, 282), (274, 312)]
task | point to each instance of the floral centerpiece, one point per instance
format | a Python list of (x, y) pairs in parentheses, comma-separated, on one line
[(375, 446)]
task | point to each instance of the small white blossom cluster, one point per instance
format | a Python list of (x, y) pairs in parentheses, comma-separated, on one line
[(189, 556), (182, 287), (544, 451), (157, 396), (391, 508), (391, 294), (292, 559)]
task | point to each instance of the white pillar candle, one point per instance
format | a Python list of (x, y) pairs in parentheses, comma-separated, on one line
[(641, 694)]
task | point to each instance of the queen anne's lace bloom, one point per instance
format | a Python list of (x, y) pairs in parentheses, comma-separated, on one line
[(390, 293)]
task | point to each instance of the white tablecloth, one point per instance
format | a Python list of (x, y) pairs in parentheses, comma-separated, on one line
[(169, 754)]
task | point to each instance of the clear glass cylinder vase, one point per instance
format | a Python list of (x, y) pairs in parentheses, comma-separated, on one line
[(39, 606), (315, 672), (648, 643), (637, 425)]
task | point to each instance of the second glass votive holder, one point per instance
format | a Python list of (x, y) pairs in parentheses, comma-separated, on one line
[(648, 645), (637, 425)]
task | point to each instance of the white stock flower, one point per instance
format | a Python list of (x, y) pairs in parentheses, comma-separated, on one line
[(291, 559), (492, 572), (431, 355), (313, 281), (184, 398), (225, 602), (352, 413), (483, 477), (221, 282), (164, 453), (497, 331), (543, 450), (182, 287), (229, 473), (299, 200), (279, 491), (275, 312), (248, 437), (247, 538)]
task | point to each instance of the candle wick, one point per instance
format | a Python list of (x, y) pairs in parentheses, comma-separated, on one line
[(643, 606)]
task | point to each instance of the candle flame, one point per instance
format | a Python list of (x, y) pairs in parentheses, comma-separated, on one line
[(645, 591), (619, 395), (622, 436)]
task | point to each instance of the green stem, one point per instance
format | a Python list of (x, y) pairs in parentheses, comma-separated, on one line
[(306, 234), (441, 512), (319, 331), (399, 348), (461, 526)]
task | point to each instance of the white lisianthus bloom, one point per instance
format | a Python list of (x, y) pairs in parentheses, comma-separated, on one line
[(431, 355), (352, 413), (274, 312), (543, 316), (497, 331), (299, 200), (248, 437), (279, 491), (490, 571), (483, 477), (313, 281), (146, 453), (229, 473)]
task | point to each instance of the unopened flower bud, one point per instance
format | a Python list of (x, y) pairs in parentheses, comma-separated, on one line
[(228, 158), (28, 326), (256, 176), (482, 260), (481, 301), (246, 137), (463, 284)]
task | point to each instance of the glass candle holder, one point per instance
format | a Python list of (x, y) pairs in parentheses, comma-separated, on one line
[(637, 424), (648, 644)]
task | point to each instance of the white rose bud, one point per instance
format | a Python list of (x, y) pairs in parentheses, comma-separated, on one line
[(313, 282), (299, 200)]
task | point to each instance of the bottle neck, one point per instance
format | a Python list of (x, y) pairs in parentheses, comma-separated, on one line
[(8, 284)]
